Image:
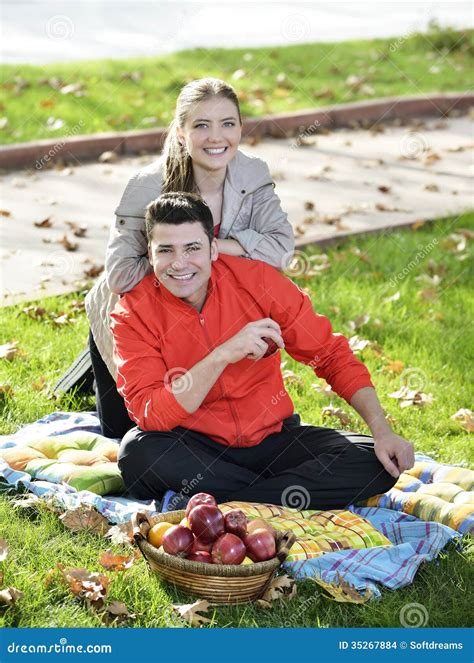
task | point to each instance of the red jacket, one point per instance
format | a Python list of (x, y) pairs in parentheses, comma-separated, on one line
[(158, 337)]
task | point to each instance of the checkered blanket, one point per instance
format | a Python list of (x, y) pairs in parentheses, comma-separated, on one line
[(383, 541)]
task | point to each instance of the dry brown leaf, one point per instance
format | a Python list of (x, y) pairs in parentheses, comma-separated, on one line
[(395, 366), (384, 188), (45, 223), (9, 350), (112, 562), (407, 397), (68, 245), (434, 188), (85, 517), (280, 587), (6, 389), (417, 225), (116, 611), (358, 322), (5, 212), (85, 584), (94, 271), (121, 534), (190, 612), (331, 411), (289, 377), (465, 418), (79, 230), (10, 595), (309, 205), (108, 157), (429, 294), (343, 592), (323, 388), (3, 550)]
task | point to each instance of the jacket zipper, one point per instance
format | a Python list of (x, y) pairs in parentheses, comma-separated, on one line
[(231, 406), (249, 193)]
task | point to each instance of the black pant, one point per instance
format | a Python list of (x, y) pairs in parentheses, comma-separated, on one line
[(113, 415), (301, 467)]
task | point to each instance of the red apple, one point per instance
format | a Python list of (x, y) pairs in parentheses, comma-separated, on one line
[(199, 498), (178, 540), (200, 556), (236, 522), (228, 549), (272, 346), (206, 522), (200, 546), (260, 545)]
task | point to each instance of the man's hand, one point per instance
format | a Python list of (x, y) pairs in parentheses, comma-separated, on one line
[(248, 343), (395, 453)]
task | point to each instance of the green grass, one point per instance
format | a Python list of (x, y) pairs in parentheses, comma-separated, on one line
[(141, 93), (432, 336)]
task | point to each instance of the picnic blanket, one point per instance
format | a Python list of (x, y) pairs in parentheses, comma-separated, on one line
[(383, 541)]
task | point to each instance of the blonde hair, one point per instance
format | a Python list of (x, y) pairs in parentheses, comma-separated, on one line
[(177, 167)]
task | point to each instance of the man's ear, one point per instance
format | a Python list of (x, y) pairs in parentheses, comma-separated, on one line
[(214, 250)]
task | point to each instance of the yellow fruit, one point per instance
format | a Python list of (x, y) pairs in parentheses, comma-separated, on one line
[(185, 523), (246, 560), (157, 532)]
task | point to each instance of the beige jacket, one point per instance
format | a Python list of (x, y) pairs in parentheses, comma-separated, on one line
[(251, 214)]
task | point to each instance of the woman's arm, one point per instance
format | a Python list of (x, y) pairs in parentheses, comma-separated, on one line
[(270, 236), (126, 258)]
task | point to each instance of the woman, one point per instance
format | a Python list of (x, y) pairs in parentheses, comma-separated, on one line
[(200, 154)]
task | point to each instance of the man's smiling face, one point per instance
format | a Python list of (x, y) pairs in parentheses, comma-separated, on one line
[(182, 258)]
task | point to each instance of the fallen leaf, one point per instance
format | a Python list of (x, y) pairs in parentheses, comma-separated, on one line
[(384, 188), (116, 611), (417, 225), (308, 205), (112, 562), (407, 397), (85, 584), (430, 294), (432, 187), (331, 411), (79, 230), (358, 322), (30, 501), (39, 384), (6, 389), (358, 344), (68, 245), (5, 212), (465, 418), (394, 298), (280, 587), (9, 350), (395, 366), (289, 377), (45, 223), (121, 534), (190, 612), (342, 592), (323, 388), (85, 517), (108, 157), (94, 271), (3, 550), (10, 595)]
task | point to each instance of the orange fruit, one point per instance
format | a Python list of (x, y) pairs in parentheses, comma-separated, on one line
[(157, 532)]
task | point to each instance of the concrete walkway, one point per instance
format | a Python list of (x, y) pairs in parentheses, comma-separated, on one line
[(358, 181)]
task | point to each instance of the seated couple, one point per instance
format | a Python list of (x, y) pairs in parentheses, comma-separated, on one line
[(191, 344)]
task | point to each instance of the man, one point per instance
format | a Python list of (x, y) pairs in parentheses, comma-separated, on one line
[(212, 411)]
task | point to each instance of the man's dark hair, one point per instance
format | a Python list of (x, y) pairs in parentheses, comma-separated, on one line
[(179, 207)]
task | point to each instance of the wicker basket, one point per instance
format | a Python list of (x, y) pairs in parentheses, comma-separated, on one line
[(220, 583)]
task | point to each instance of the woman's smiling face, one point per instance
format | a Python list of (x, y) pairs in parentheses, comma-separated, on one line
[(212, 133)]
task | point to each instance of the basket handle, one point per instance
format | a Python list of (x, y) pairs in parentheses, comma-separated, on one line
[(287, 540), (140, 525)]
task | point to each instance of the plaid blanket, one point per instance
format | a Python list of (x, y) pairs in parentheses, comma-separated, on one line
[(384, 541)]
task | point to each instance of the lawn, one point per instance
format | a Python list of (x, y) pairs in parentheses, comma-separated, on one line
[(87, 97), (416, 313)]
